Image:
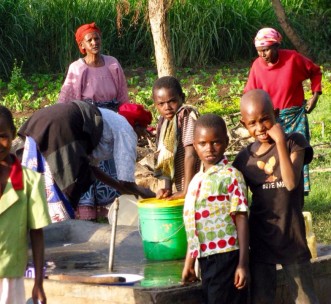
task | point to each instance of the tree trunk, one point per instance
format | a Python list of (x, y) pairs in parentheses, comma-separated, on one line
[(158, 18), (298, 43)]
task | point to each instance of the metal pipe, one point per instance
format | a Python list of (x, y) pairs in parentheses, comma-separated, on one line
[(113, 234)]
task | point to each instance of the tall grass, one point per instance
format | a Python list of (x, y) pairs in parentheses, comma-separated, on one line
[(318, 203), (319, 199), (14, 28), (55, 25), (320, 124), (205, 31), (41, 33)]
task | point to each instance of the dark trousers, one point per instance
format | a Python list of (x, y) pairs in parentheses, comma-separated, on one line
[(217, 276), (298, 276)]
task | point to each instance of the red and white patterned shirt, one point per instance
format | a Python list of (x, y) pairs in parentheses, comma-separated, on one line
[(211, 202)]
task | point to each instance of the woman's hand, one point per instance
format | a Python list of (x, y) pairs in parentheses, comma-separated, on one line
[(145, 192), (311, 103), (133, 188), (141, 132), (122, 186)]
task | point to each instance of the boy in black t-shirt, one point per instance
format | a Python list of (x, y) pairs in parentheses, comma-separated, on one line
[(272, 167)]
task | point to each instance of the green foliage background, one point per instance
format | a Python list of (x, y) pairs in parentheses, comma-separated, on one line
[(41, 33)]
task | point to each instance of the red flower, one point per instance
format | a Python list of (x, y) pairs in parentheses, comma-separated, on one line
[(231, 187), (197, 216), (211, 198), (203, 247)]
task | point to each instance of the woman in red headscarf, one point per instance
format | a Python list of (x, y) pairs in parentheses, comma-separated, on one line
[(281, 73), (99, 79), (95, 77)]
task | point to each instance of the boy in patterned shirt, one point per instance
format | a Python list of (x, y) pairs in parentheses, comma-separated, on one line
[(215, 217)]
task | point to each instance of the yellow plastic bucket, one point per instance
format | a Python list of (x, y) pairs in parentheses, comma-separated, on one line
[(162, 229)]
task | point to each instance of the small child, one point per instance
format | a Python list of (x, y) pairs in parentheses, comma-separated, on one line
[(215, 217), (23, 209), (177, 161), (272, 167)]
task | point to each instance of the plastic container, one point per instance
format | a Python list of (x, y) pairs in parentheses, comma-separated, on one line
[(127, 211), (30, 301), (30, 271), (162, 229), (310, 236)]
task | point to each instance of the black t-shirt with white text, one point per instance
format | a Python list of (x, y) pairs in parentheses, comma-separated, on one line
[(277, 229)]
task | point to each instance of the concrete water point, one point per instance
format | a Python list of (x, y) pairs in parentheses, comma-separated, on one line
[(82, 248)]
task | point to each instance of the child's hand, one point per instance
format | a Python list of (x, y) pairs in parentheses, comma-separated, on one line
[(241, 277), (38, 294), (188, 276), (276, 133), (177, 195), (163, 193)]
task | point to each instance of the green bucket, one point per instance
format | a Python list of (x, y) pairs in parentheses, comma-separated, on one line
[(162, 229)]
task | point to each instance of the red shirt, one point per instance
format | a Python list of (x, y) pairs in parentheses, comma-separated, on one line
[(283, 80)]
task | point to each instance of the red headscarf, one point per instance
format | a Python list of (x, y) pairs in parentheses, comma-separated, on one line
[(267, 36), (135, 114), (82, 31)]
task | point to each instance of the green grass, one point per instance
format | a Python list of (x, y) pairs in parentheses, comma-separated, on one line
[(320, 124), (318, 202)]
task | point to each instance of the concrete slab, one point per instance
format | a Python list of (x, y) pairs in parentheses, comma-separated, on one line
[(82, 247)]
